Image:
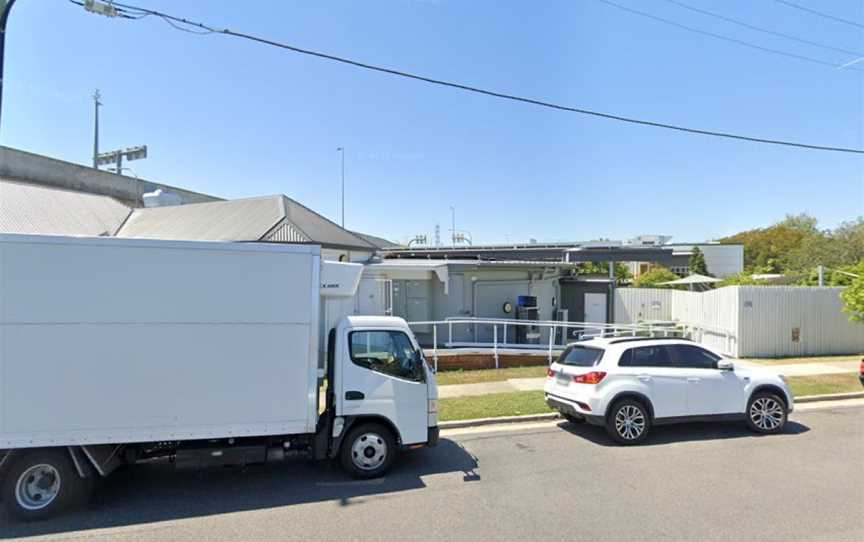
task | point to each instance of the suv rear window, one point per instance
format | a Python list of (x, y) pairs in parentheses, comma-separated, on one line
[(580, 356)]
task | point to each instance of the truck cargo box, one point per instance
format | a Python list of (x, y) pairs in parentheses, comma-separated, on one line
[(108, 340)]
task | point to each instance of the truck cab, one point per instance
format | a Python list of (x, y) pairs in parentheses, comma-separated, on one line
[(381, 393)]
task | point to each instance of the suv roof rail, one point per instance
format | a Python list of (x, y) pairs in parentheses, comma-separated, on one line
[(634, 339)]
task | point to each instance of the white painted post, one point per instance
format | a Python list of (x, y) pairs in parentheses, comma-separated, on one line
[(504, 325), (495, 343), (551, 339), (435, 345), (450, 332)]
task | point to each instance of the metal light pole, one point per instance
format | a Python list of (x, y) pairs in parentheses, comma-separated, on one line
[(5, 8), (341, 150), (96, 105)]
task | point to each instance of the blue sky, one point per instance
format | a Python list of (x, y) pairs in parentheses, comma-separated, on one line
[(235, 119)]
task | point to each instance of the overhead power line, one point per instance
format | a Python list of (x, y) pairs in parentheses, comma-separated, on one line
[(765, 30), (720, 36), (819, 13), (135, 12)]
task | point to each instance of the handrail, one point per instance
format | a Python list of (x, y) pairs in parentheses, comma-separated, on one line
[(551, 327)]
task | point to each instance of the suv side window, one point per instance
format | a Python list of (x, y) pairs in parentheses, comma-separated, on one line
[(386, 352), (693, 357), (646, 356)]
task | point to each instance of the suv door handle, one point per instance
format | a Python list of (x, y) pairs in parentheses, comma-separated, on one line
[(354, 395), (645, 378), (693, 379)]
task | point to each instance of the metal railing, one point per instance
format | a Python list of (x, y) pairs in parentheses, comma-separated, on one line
[(548, 334)]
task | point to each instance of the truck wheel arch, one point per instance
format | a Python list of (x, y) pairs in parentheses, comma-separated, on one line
[(351, 421)]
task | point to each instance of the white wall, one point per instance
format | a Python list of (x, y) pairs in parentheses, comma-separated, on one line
[(637, 304), (751, 321), (768, 315)]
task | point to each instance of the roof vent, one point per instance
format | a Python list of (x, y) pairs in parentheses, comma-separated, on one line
[(161, 198)]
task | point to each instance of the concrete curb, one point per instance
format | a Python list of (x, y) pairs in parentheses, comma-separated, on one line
[(500, 420), (459, 424), (830, 397)]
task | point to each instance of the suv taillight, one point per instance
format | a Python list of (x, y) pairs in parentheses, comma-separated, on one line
[(550, 373), (861, 368), (594, 377)]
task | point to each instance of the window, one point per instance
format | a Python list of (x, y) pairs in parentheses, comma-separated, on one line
[(387, 352), (646, 356), (681, 271), (693, 357), (580, 356)]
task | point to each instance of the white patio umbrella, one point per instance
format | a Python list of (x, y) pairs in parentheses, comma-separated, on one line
[(690, 280)]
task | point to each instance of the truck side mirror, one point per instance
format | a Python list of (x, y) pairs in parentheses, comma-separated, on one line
[(725, 365)]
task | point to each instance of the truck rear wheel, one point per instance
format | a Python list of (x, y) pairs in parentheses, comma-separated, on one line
[(368, 451), (39, 484)]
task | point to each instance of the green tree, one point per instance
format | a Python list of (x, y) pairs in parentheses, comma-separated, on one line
[(622, 272), (745, 278), (697, 262), (853, 300), (654, 277)]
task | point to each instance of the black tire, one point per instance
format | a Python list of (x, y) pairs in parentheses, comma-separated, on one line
[(617, 417), (368, 450), (52, 477), (766, 413), (573, 419)]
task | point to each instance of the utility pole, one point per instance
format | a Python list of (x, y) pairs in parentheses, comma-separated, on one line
[(5, 9), (341, 150), (96, 105)]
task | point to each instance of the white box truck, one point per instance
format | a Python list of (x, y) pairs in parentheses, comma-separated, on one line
[(114, 351)]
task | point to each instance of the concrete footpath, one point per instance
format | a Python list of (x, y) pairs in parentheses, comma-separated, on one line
[(531, 384)]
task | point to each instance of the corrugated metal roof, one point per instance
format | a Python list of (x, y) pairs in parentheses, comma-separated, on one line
[(236, 220), (379, 242), (267, 218), (321, 230), (27, 208)]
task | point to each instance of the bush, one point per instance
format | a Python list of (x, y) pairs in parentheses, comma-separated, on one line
[(654, 278)]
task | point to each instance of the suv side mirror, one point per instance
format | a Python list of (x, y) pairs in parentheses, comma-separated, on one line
[(725, 365)]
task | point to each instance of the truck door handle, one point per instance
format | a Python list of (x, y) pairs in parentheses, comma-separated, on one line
[(645, 378), (354, 395), (693, 379)]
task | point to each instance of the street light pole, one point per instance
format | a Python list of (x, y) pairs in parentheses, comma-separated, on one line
[(5, 8), (342, 151), (96, 105)]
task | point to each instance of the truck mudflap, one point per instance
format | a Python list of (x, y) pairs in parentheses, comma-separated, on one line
[(433, 436)]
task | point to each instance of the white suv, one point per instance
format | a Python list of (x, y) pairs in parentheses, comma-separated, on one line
[(630, 384)]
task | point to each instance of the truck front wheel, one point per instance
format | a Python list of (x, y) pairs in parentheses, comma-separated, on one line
[(368, 450), (39, 484)]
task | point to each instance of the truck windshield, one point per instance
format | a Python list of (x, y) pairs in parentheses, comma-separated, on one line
[(580, 356), (388, 352)]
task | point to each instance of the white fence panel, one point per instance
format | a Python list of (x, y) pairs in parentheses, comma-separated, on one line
[(793, 321), (713, 315), (639, 304)]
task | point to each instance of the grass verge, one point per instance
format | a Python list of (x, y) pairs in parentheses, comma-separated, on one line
[(494, 405), (521, 403), (446, 378), (822, 384)]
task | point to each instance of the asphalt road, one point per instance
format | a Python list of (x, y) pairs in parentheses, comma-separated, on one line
[(550, 481)]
